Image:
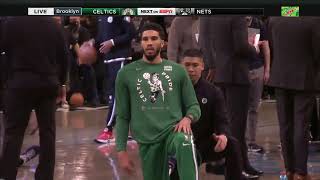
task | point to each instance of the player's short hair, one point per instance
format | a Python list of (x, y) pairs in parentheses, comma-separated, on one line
[(193, 53), (155, 27)]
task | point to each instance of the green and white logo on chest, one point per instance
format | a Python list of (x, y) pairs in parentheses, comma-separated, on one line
[(152, 86)]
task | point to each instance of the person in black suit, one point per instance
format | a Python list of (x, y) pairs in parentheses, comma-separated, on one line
[(224, 41), (212, 134), (295, 73), (2, 87), (37, 67), (114, 37)]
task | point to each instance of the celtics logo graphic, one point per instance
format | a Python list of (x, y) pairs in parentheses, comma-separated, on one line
[(155, 86)]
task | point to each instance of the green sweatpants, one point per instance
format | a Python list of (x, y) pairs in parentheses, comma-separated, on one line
[(154, 157)]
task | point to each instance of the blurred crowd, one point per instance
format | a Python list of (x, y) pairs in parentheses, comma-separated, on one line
[(91, 79)]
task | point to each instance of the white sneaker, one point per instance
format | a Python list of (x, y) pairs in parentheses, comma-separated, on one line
[(65, 105)]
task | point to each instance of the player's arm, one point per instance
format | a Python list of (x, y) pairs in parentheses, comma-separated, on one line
[(62, 57), (240, 38), (123, 111), (122, 125), (161, 87), (206, 42), (190, 105), (266, 57), (127, 36), (174, 41), (220, 113), (189, 99)]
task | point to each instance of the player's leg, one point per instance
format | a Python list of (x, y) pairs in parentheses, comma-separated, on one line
[(107, 134), (45, 112), (32, 151), (154, 161), (182, 146), (18, 106)]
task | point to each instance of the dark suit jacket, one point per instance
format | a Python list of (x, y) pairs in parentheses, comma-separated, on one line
[(214, 115), (118, 29), (181, 37), (35, 56), (295, 44), (224, 41)]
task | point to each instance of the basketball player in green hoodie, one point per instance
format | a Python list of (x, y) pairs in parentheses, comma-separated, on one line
[(156, 99)]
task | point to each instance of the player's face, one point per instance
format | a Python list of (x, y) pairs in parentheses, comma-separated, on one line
[(194, 67), (151, 44)]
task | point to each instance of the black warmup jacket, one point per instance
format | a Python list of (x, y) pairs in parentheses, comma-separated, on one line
[(213, 115)]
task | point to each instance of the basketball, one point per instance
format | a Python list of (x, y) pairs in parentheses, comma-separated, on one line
[(76, 100), (87, 53)]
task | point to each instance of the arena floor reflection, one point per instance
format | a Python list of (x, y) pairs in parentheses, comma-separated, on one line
[(79, 158)]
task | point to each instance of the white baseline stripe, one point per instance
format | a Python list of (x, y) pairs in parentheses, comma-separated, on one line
[(112, 115), (194, 158)]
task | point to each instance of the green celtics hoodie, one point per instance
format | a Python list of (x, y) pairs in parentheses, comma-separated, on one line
[(151, 99)]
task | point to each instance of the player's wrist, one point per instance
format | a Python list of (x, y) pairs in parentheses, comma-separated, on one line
[(190, 117)]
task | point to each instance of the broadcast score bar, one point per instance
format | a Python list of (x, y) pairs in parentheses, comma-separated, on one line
[(76, 11)]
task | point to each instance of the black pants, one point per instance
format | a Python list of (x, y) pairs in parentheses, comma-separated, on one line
[(1, 135), (294, 113), (84, 81), (18, 106), (88, 84), (231, 154), (112, 71), (314, 126), (237, 103)]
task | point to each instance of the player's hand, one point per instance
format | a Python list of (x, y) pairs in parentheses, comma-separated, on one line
[(251, 40), (222, 141), (261, 43), (184, 125), (125, 163), (105, 47)]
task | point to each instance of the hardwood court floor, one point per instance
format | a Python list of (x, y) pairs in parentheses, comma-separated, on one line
[(79, 158)]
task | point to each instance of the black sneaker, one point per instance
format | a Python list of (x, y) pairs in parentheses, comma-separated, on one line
[(250, 170), (217, 169), (246, 176), (253, 147)]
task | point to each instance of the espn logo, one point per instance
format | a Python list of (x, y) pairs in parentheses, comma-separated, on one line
[(157, 11), (167, 11)]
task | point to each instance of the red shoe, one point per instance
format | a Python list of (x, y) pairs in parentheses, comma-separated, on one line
[(105, 137)]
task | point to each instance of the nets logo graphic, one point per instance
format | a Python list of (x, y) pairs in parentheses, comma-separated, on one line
[(185, 11), (128, 12)]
